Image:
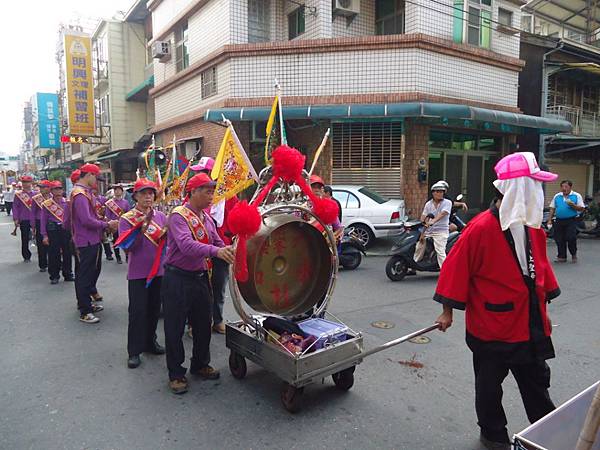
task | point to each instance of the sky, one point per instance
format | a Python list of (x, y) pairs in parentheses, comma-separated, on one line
[(30, 29)]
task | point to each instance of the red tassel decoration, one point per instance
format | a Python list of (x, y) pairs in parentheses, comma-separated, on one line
[(326, 209), (244, 220), (287, 163)]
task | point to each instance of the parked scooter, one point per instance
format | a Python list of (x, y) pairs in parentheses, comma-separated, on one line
[(351, 250), (403, 251)]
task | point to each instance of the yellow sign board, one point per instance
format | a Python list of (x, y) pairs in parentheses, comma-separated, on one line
[(80, 86)]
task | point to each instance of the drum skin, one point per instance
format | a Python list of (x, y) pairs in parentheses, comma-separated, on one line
[(289, 266)]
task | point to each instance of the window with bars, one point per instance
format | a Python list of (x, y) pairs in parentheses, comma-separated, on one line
[(389, 17), (209, 82), (258, 20), (366, 145)]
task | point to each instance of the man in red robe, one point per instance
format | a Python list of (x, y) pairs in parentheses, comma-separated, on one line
[(499, 273)]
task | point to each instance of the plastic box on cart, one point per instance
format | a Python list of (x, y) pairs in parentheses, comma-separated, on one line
[(326, 331)]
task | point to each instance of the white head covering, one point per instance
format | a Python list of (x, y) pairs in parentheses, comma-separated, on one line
[(523, 202)]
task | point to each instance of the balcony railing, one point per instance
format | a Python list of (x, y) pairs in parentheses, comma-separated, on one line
[(584, 123)]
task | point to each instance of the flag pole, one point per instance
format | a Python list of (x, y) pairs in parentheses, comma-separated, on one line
[(319, 151), (281, 128)]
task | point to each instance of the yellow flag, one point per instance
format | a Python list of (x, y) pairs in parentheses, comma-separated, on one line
[(233, 170)]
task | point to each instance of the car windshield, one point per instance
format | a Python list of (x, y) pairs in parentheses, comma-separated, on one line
[(373, 195)]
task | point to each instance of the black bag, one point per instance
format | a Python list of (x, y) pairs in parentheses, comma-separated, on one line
[(279, 326)]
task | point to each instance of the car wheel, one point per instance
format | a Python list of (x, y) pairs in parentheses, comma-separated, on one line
[(363, 234)]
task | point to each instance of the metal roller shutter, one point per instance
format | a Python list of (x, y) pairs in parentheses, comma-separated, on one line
[(577, 173), (368, 153)]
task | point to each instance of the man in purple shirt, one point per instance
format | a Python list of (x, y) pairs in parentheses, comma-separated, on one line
[(114, 209), (22, 214), (36, 215), (54, 234), (192, 240), (144, 300), (86, 229)]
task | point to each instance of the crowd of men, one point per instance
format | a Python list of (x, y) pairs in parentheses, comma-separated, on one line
[(196, 243)]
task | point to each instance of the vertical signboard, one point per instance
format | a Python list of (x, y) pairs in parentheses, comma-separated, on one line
[(47, 120), (80, 88)]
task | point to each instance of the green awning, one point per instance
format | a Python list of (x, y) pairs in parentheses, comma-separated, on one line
[(442, 111), (140, 92)]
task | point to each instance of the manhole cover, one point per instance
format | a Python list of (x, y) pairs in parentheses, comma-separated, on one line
[(420, 340), (383, 324)]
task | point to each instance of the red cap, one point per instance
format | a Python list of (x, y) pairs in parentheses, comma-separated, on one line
[(198, 181), (44, 183), (144, 183), (90, 168), (55, 184), (75, 175), (26, 179), (316, 179)]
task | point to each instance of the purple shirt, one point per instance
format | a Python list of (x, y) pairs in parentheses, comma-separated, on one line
[(142, 252), (47, 216), (20, 212), (183, 251), (123, 204), (86, 227), (36, 211)]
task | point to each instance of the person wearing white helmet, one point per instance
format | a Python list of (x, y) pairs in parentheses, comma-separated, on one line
[(436, 217)]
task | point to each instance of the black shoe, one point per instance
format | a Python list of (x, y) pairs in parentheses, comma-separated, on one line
[(119, 261), (110, 258), (27, 260), (70, 278), (54, 281), (156, 349), (494, 445), (134, 361), (43, 269)]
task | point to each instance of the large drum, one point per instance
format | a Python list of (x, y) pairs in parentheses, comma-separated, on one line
[(289, 265)]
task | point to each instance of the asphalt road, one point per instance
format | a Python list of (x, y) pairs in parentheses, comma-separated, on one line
[(65, 384)]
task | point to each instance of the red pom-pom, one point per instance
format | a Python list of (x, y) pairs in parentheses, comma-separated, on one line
[(244, 219), (288, 163), (326, 209)]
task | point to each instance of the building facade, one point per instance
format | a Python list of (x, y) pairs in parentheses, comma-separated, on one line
[(561, 80), (412, 91), (122, 79)]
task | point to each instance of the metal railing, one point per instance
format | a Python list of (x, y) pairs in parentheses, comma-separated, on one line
[(584, 123)]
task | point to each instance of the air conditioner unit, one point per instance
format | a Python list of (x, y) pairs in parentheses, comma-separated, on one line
[(346, 7), (161, 50)]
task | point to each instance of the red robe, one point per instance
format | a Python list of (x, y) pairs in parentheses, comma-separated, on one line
[(482, 276)]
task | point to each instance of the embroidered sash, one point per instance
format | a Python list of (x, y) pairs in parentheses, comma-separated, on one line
[(39, 199), (55, 209), (25, 198), (153, 233), (196, 226), (114, 207)]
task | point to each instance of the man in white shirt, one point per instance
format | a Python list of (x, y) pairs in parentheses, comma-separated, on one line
[(9, 197), (438, 227), (566, 207)]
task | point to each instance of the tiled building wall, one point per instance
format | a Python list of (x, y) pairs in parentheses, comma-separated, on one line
[(164, 71), (436, 19), (415, 143), (211, 133), (363, 24), (376, 71), (166, 11), (188, 96)]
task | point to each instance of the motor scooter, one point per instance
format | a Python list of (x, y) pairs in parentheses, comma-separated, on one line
[(403, 251), (351, 250)]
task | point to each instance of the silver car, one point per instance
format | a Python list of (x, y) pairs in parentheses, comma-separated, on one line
[(369, 214)]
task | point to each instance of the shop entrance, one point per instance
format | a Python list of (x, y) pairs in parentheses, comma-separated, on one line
[(466, 162)]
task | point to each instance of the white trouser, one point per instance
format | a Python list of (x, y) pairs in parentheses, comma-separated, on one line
[(439, 244)]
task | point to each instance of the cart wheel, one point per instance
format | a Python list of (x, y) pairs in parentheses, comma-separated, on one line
[(344, 380), (291, 397), (237, 365)]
